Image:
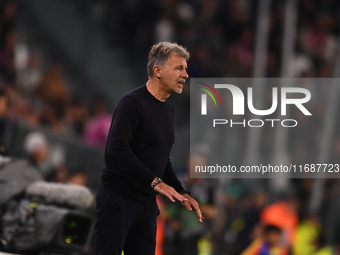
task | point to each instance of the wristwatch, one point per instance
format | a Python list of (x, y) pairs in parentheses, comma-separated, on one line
[(153, 185)]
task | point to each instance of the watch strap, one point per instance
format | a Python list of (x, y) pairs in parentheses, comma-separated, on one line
[(158, 181)]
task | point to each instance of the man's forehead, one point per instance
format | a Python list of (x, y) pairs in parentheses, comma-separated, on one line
[(176, 59)]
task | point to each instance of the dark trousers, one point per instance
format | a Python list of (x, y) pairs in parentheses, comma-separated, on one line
[(124, 224)]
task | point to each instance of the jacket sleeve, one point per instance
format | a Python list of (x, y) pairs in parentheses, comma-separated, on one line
[(170, 177)]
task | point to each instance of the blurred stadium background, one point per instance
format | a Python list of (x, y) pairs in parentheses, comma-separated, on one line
[(65, 63)]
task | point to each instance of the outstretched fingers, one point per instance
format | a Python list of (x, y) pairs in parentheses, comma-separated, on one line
[(198, 212), (192, 204), (169, 192), (174, 194)]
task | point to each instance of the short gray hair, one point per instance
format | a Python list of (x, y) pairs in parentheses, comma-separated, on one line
[(160, 53)]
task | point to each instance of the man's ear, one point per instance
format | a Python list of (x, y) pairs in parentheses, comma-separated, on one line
[(157, 70)]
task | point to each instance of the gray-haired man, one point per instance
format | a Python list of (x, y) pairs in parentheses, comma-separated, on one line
[(137, 163)]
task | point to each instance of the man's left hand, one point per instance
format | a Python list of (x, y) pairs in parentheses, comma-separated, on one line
[(192, 204)]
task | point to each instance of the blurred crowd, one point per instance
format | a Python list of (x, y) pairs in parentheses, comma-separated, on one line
[(220, 35), (39, 95), (35, 93)]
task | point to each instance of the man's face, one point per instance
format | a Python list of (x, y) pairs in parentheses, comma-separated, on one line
[(174, 74)]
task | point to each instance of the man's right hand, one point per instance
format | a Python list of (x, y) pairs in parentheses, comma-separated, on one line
[(170, 192)]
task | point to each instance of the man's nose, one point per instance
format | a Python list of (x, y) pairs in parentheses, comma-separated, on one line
[(185, 74)]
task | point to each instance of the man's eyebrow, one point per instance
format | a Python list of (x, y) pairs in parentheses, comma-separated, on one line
[(186, 67)]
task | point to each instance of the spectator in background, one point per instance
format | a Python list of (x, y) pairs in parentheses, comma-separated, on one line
[(36, 148), (268, 243), (29, 78), (306, 234), (77, 116), (164, 29), (97, 129), (20, 108), (53, 88), (78, 178), (310, 238), (283, 214), (60, 174), (53, 117)]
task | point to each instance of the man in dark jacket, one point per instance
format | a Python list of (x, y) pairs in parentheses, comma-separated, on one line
[(137, 163)]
